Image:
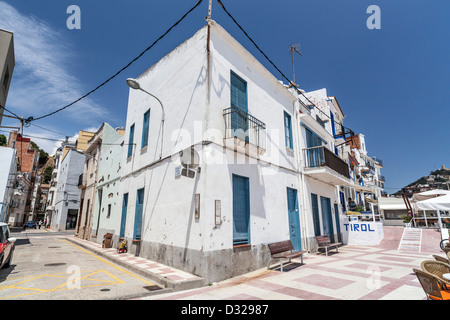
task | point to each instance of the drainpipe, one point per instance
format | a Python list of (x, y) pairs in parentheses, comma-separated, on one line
[(301, 178)]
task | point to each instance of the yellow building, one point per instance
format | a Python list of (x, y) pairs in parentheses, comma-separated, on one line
[(82, 142)]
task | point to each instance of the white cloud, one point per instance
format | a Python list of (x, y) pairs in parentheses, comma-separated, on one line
[(42, 81)]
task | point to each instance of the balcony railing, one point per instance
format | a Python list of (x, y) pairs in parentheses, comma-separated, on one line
[(322, 157), (379, 161), (239, 124)]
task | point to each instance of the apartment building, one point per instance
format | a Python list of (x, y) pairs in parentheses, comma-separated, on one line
[(99, 210), (8, 173), (65, 200)]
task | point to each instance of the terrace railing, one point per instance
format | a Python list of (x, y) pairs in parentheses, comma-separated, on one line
[(322, 157)]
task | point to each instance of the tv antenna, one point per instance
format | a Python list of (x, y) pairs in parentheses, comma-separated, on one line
[(295, 47)]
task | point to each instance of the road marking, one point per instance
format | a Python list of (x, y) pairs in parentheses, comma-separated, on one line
[(109, 263), (61, 287)]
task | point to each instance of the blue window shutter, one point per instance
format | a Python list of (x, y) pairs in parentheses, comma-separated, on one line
[(241, 210), (238, 90), (288, 130), (333, 127), (138, 214), (131, 141), (124, 215), (145, 128)]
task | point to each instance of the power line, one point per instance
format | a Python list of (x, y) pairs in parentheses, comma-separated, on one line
[(30, 119), (2, 107), (49, 130), (291, 84)]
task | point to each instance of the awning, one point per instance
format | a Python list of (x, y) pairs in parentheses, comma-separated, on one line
[(428, 195), (436, 203)]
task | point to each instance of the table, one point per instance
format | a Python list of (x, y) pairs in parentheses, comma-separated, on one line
[(446, 276)]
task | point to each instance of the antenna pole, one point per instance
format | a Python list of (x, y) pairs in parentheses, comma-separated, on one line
[(293, 69), (209, 9), (294, 47)]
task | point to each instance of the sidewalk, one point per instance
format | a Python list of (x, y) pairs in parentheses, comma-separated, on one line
[(168, 277)]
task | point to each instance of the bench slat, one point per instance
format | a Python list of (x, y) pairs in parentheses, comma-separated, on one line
[(324, 243), (284, 250)]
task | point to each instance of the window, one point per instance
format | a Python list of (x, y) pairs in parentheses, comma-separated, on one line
[(288, 131), (238, 92), (109, 211), (145, 128), (130, 141)]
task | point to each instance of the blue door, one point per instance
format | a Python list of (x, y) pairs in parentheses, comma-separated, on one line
[(124, 215), (241, 210), (336, 217), (315, 212), (138, 215), (294, 219), (327, 220)]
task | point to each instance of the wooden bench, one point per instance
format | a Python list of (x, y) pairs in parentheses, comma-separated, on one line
[(283, 250), (325, 243)]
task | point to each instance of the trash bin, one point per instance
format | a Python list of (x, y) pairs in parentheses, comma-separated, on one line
[(107, 239)]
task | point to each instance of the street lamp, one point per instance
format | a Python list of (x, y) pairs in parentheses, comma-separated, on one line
[(134, 84)]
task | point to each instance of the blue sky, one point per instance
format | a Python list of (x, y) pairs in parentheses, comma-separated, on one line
[(391, 83)]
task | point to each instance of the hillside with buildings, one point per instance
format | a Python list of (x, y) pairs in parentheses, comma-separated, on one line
[(438, 179)]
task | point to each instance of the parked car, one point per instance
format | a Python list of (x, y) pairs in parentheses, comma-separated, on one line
[(30, 224), (6, 246)]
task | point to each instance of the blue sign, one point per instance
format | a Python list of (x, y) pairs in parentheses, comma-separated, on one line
[(365, 227)]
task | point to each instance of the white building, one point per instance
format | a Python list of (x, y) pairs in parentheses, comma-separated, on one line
[(67, 195), (8, 170), (237, 160), (17, 215), (51, 199)]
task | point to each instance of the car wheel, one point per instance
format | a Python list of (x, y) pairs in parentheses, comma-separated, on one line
[(8, 263)]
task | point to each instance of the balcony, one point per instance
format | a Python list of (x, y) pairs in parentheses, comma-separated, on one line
[(324, 165), (378, 161), (382, 178), (244, 132)]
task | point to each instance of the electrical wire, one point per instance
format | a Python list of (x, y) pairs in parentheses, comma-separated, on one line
[(30, 119), (291, 84), (49, 130), (17, 117)]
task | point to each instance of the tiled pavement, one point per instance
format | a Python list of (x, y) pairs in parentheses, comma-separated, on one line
[(382, 272)]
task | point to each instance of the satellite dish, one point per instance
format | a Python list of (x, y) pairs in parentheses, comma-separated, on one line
[(189, 158)]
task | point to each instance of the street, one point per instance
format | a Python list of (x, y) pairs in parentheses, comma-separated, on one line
[(45, 266)]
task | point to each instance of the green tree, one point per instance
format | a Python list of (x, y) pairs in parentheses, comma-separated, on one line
[(3, 140), (43, 156), (48, 174)]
